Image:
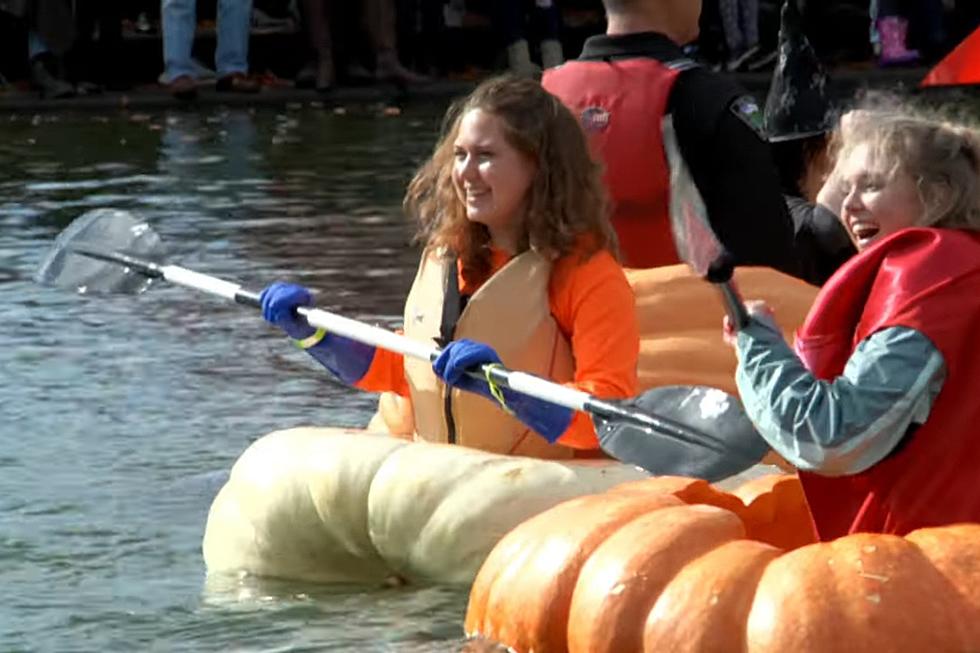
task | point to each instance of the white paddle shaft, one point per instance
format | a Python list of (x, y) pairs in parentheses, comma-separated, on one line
[(522, 382)]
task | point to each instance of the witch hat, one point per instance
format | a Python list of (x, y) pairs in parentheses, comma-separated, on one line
[(797, 105)]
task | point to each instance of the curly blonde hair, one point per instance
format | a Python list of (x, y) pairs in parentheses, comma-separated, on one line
[(567, 199), (942, 156)]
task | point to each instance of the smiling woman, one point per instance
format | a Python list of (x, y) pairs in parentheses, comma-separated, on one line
[(492, 178), (896, 171), (519, 268), (876, 407)]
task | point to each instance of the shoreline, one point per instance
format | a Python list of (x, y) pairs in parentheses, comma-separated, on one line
[(845, 81)]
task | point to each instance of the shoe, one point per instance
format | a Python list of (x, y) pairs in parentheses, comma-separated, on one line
[(306, 77), (237, 83), (357, 75), (519, 60), (263, 23), (325, 75), (143, 24), (50, 87), (184, 88), (389, 69), (893, 31), (84, 88), (551, 53)]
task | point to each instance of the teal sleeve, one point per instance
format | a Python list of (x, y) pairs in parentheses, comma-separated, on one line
[(844, 425)]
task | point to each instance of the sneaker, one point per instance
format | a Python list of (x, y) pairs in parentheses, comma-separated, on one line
[(183, 88), (49, 86), (237, 83)]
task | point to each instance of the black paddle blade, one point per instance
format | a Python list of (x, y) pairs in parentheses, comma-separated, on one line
[(731, 443), (110, 230)]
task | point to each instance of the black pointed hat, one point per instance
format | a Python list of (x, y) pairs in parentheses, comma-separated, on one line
[(797, 105)]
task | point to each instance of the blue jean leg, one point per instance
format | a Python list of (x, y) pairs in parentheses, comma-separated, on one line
[(178, 21), (234, 29)]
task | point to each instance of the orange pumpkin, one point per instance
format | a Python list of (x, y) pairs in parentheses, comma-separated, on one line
[(673, 564)]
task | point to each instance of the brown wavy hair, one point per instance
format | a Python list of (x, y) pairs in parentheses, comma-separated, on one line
[(568, 209)]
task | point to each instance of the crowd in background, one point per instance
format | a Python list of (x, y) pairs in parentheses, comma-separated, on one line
[(75, 47)]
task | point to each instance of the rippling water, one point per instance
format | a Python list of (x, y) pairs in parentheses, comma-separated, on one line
[(121, 416)]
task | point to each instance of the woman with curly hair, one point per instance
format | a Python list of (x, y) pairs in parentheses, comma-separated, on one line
[(519, 267)]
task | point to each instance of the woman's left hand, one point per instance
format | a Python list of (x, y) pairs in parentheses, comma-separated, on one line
[(461, 356), (756, 308)]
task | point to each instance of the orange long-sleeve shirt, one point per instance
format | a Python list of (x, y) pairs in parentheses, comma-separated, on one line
[(593, 304)]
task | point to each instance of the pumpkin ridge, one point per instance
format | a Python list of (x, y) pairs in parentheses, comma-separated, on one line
[(619, 583)]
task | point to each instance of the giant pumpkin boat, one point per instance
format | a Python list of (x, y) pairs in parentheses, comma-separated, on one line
[(594, 555), (674, 564), (327, 504)]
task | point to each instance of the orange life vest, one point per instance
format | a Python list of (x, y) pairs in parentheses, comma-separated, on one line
[(510, 313), (621, 105)]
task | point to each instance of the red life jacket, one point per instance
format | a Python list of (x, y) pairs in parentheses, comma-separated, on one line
[(927, 280), (621, 105)]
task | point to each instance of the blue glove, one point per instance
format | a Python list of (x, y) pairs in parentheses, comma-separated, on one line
[(347, 359), (279, 303), (547, 419)]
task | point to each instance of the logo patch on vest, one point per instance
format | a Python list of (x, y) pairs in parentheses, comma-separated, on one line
[(594, 119), (747, 110)]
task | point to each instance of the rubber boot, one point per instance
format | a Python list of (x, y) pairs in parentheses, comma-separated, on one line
[(893, 31), (551, 53), (519, 59)]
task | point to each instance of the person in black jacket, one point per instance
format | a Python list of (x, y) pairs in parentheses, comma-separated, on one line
[(798, 120), (718, 125)]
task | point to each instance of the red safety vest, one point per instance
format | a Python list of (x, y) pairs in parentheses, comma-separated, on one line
[(621, 105), (927, 280)]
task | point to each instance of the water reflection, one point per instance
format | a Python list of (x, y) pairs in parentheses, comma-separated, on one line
[(122, 415)]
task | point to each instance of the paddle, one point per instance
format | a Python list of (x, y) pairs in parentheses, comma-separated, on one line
[(696, 242), (702, 408), (110, 251)]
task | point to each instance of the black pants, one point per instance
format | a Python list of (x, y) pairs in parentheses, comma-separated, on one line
[(512, 19)]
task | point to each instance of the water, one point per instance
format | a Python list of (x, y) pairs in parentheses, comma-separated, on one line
[(121, 416)]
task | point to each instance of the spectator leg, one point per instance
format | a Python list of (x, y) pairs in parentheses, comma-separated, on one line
[(234, 23), (547, 17), (728, 9), (749, 22), (316, 13), (509, 21), (178, 22), (381, 21), (42, 78)]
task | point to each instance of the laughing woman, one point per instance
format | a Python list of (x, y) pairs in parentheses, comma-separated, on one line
[(878, 408), (518, 267)]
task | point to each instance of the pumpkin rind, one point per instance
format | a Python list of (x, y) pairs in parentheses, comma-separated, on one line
[(619, 583), (704, 608), (953, 550), (863, 592), (527, 601), (689, 578), (776, 511)]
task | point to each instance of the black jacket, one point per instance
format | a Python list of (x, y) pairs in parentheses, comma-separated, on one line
[(719, 131)]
